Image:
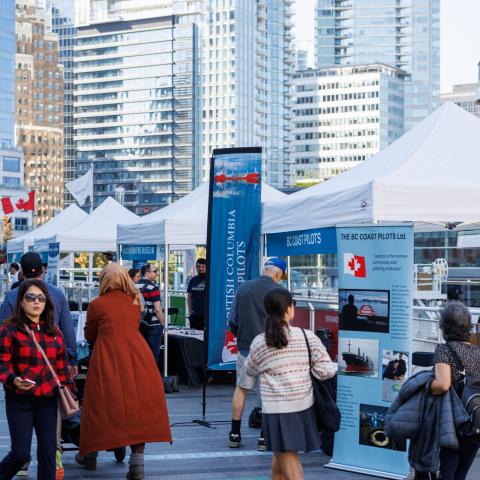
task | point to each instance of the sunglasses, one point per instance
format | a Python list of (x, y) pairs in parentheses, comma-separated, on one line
[(294, 303), (31, 297), (154, 271)]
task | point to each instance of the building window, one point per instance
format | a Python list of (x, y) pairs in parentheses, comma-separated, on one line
[(11, 164), (21, 224), (13, 181)]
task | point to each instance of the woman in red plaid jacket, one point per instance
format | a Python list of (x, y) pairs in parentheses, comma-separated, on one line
[(30, 389)]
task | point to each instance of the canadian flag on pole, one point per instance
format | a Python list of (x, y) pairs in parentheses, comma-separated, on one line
[(11, 204), (354, 265)]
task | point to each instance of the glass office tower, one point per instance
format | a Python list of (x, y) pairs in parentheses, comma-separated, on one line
[(401, 33), (7, 74), (248, 59), (135, 108), (60, 19)]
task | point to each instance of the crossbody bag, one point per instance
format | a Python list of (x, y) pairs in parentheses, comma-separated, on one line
[(68, 402)]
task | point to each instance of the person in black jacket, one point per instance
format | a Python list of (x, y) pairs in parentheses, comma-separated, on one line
[(456, 324), (247, 320)]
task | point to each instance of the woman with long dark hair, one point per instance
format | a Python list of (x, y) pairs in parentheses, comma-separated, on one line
[(30, 391), (280, 358)]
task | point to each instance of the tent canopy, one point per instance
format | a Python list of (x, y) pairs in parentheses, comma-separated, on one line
[(427, 175), (183, 222), (97, 233), (62, 222)]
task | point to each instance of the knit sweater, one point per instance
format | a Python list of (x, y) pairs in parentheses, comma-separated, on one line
[(285, 383)]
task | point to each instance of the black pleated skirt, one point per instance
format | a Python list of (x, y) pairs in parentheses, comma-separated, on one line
[(291, 432)]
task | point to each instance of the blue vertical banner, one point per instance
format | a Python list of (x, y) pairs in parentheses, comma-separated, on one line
[(233, 243), (53, 261), (375, 281)]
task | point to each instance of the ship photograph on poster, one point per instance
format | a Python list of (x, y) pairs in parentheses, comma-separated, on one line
[(358, 356)]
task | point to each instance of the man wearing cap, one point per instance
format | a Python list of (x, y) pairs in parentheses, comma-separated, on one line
[(32, 267), (247, 320)]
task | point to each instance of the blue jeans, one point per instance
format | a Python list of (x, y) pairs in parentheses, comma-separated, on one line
[(24, 415), (153, 336), (455, 464)]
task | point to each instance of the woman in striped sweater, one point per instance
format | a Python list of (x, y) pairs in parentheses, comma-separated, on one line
[(280, 358)]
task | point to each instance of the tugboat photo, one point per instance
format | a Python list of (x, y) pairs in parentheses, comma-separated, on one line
[(357, 362)]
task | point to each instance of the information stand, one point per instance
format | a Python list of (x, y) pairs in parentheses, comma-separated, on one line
[(375, 271)]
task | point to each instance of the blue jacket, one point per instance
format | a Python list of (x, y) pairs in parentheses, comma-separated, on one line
[(62, 317)]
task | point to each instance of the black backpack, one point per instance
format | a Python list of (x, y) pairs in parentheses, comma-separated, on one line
[(146, 316), (468, 388)]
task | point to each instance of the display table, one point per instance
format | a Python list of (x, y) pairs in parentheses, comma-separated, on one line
[(186, 352)]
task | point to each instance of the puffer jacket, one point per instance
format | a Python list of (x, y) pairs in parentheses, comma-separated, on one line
[(429, 421)]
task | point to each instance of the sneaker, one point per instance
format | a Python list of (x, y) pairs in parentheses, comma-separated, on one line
[(23, 472), (60, 471), (234, 440), (261, 445)]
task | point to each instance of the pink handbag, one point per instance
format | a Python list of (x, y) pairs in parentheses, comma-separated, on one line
[(68, 402)]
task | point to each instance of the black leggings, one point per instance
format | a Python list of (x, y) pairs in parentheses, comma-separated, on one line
[(455, 464)]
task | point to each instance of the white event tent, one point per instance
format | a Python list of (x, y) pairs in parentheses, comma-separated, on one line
[(64, 221), (181, 223), (428, 176), (97, 233)]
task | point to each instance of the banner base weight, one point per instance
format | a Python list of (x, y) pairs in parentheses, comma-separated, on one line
[(365, 471)]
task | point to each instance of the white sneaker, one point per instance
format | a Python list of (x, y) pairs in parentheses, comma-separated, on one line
[(23, 472)]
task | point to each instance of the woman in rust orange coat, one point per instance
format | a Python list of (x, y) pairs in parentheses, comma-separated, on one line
[(124, 401)]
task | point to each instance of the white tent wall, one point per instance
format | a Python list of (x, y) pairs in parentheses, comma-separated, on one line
[(426, 176), (182, 223), (66, 219), (97, 233)]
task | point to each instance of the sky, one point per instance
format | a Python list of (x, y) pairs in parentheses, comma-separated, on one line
[(460, 38)]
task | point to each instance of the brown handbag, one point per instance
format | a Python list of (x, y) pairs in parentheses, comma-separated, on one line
[(68, 402)]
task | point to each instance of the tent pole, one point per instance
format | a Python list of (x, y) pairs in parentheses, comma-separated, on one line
[(289, 280), (165, 307), (90, 275)]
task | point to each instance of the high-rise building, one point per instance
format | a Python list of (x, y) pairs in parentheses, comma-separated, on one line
[(342, 116), (39, 111), (135, 106), (7, 75), (301, 59), (11, 157), (248, 61), (61, 18), (401, 33), (465, 96)]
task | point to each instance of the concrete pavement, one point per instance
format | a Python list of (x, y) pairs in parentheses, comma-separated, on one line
[(199, 453)]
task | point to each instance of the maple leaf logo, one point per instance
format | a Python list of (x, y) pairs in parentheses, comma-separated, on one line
[(354, 265)]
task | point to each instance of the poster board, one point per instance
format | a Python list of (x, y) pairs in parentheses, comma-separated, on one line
[(375, 280)]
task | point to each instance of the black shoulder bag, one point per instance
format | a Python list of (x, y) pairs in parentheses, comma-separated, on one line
[(326, 410), (468, 389)]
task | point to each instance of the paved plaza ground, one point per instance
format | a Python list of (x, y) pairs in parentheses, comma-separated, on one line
[(199, 453)]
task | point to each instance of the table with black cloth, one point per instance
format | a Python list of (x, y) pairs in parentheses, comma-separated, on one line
[(186, 353)]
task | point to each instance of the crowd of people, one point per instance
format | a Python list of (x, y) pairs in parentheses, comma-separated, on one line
[(124, 401)]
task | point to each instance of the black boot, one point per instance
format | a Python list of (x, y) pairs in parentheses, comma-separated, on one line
[(89, 461)]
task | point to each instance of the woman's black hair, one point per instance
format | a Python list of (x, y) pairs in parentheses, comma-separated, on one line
[(20, 319), (276, 302), (132, 272), (455, 322)]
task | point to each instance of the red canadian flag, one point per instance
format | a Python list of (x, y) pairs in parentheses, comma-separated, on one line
[(10, 205), (354, 265)]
